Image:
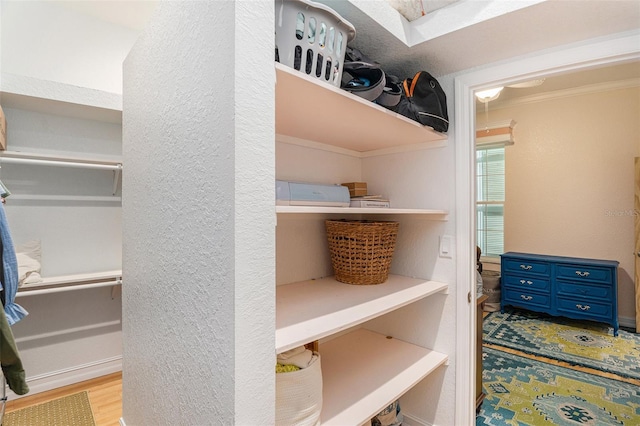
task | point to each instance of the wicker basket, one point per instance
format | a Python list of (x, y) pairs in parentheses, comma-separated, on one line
[(361, 250)]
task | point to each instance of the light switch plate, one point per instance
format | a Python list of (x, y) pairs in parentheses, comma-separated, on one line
[(446, 246)]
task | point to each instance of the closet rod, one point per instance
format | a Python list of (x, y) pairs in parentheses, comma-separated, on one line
[(67, 288), (77, 164)]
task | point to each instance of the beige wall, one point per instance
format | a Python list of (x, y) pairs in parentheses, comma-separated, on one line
[(569, 179)]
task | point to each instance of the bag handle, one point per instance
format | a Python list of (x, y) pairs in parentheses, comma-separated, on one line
[(409, 91)]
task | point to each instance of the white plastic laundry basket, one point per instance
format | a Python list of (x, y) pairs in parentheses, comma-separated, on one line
[(312, 38)]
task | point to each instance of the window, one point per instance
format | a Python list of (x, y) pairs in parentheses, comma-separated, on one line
[(490, 200)]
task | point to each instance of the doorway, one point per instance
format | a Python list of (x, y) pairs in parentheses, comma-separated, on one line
[(599, 53)]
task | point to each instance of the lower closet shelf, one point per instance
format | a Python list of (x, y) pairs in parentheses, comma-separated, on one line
[(310, 310), (363, 372)]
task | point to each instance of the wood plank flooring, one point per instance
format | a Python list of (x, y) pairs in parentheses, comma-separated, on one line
[(105, 396)]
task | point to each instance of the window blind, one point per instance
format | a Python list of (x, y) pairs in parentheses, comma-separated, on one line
[(490, 194)]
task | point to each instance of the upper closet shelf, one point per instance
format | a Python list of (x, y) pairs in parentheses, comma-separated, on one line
[(309, 110), (52, 97), (310, 310)]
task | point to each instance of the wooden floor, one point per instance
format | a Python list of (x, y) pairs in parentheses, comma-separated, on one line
[(105, 396)]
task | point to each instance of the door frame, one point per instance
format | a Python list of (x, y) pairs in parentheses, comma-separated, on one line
[(592, 53), (636, 231)]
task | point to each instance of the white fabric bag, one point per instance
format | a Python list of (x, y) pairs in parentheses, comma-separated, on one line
[(299, 395)]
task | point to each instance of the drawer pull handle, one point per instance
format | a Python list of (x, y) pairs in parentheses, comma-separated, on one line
[(526, 282), (523, 297), (526, 267), (582, 274), (583, 307)]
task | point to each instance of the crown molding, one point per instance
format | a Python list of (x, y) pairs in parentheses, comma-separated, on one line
[(566, 93)]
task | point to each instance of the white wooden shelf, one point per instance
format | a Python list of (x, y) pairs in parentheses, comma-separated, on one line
[(439, 214), (310, 310), (363, 372), (52, 97), (71, 282), (311, 110)]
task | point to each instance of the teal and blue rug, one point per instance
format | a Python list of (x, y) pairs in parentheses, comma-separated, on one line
[(522, 391), (582, 343)]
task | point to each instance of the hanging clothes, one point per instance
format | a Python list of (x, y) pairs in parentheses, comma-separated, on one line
[(10, 359), (13, 311)]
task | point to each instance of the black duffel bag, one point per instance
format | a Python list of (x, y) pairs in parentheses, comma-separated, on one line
[(424, 101)]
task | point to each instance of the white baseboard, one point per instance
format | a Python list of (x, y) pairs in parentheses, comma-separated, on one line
[(69, 376), (627, 322)]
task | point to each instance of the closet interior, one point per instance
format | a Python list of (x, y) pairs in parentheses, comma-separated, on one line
[(63, 167)]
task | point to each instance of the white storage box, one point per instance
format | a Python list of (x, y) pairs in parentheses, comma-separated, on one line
[(299, 396)]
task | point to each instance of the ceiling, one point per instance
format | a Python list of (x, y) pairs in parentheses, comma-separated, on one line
[(454, 35), (471, 33), (132, 14)]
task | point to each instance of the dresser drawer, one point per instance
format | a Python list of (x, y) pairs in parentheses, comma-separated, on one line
[(522, 282), (579, 290), (525, 265), (525, 298), (586, 308), (584, 273)]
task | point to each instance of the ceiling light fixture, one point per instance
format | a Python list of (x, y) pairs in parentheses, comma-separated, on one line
[(489, 94)]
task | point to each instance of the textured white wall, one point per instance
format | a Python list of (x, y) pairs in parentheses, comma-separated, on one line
[(198, 126), (570, 180), (44, 40)]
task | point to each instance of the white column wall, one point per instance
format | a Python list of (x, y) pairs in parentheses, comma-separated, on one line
[(198, 217)]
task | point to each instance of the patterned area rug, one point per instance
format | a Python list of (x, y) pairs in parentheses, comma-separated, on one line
[(522, 391), (72, 410), (582, 343)]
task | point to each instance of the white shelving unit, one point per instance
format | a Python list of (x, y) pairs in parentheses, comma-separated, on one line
[(51, 97), (55, 98), (363, 371), (64, 166)]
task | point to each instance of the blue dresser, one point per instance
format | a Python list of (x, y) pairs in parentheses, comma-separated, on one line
[(563, 286)]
